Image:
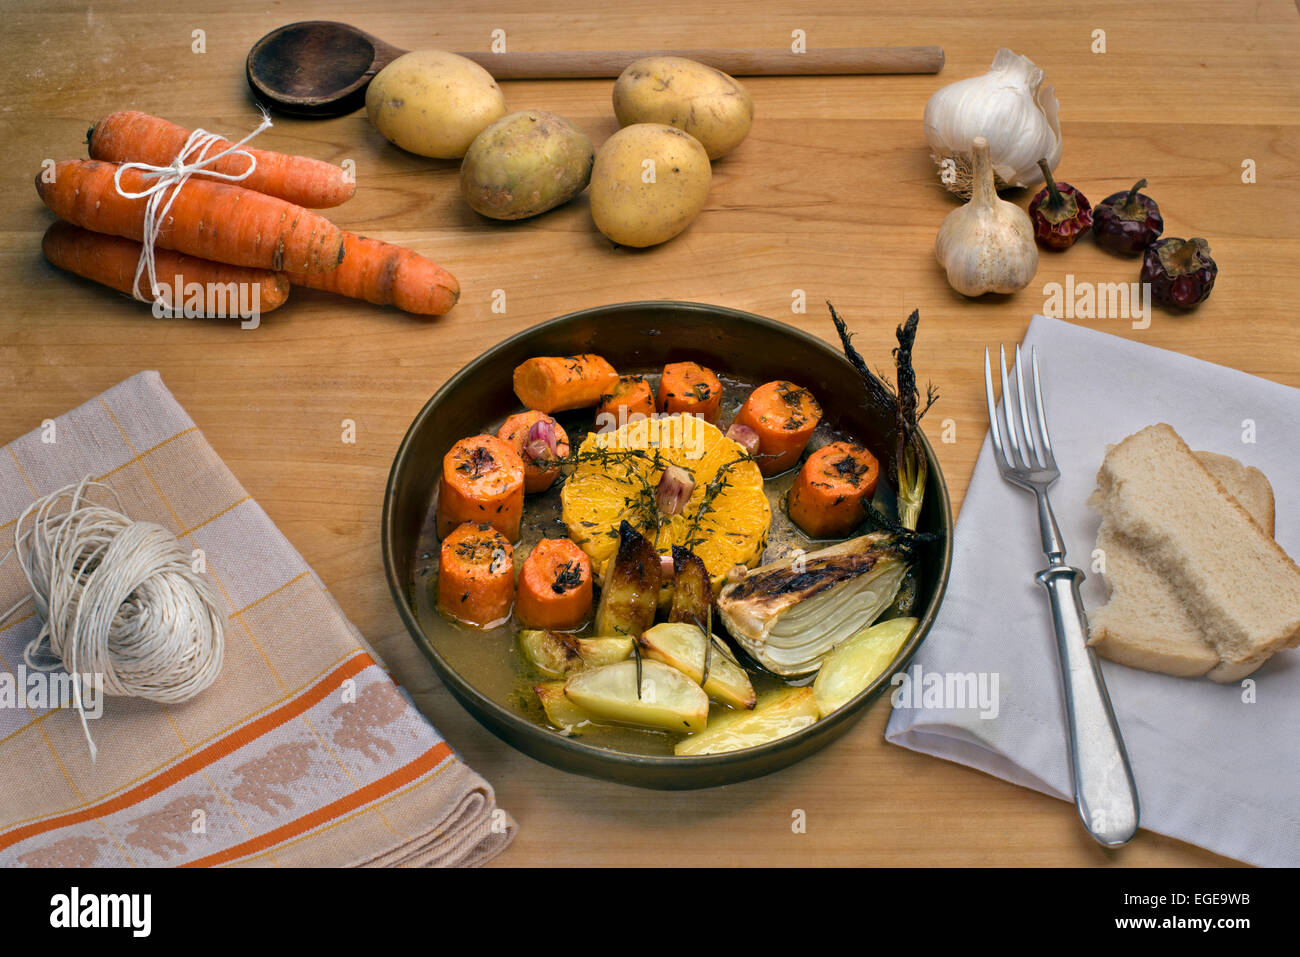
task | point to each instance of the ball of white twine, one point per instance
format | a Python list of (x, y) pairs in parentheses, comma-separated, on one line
[(118, 598)]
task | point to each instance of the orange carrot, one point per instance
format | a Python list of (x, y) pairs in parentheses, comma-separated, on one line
[(476, 575), (482, 481), (210, 220), (689, 387), (537, 438), (827, 497), (557, 383), (111, 261), (631, 395), (784, 416), (134, 137), (555, 586), (386, 275)]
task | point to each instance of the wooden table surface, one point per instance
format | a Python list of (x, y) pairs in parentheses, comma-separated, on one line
[(833, 193)]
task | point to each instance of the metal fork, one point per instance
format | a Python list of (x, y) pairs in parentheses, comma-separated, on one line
[(1104, 791)]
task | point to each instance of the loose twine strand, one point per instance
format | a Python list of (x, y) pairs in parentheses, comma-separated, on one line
[(191, 160), (117, 598)]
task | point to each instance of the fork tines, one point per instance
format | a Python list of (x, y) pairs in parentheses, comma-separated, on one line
[(1019, 447)]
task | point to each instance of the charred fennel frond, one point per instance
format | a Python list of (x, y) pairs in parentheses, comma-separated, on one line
[(908, 452), (903, 404)]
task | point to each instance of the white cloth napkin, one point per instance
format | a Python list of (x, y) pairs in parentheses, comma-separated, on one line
[(1216, 765)]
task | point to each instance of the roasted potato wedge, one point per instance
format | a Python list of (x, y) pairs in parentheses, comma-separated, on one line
[(630, 594), (605, 651), (669, 700), (558, 652), (682, 645), (692, 590), (855, 663), (560, 711), (777, 714)]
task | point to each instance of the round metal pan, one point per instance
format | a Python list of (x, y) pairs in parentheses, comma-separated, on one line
[(643, 335)]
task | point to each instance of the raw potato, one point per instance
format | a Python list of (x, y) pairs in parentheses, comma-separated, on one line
[(434, 103), (648, 183), (524, 164), (708, 104)]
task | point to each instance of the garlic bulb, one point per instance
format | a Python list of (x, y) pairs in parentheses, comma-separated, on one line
[(1009, 107), (988, 244)]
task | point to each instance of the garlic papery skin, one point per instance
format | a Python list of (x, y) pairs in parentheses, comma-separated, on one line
[(1009, 107), (988, 244)]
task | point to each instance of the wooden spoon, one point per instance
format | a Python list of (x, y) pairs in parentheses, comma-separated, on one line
[(322, 68)]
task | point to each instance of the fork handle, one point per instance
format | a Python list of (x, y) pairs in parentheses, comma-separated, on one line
[(1053, 544), (1104, 790)]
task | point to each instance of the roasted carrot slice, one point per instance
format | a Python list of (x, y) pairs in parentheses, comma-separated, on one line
[(538, 439), (555, 586), (482, 481), (629, 396), (784, 415), (476, 575), (558, 383), (827, 497), (689, 387)]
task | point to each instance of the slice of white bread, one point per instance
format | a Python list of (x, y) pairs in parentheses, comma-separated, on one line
[(1145, 625), (1226, 576), (1246, 484)]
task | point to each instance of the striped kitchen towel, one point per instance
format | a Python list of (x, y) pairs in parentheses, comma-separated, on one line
[(304, 751)]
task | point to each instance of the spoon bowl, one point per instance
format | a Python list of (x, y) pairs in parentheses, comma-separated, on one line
[(317, 67)]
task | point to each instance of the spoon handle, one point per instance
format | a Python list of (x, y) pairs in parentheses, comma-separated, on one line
[(574, 64)]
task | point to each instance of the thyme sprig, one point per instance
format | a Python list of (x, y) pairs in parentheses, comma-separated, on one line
[(712, 489)]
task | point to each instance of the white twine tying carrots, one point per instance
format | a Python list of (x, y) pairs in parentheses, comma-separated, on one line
[(174, 176)]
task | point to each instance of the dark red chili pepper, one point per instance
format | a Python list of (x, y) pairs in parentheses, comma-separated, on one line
[(1060, 213), (1127, 222), (1180, 271)]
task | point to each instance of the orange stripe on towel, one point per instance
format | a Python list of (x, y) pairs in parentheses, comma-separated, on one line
[(199, 759), (349, 802)]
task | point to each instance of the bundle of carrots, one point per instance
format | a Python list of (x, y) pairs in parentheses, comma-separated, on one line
[(260, 231)]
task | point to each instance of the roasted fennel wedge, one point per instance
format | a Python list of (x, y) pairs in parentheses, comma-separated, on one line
[(776, 715), (788, 614), (666, 700), (855, 663), (683, 646), (558, 653)]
